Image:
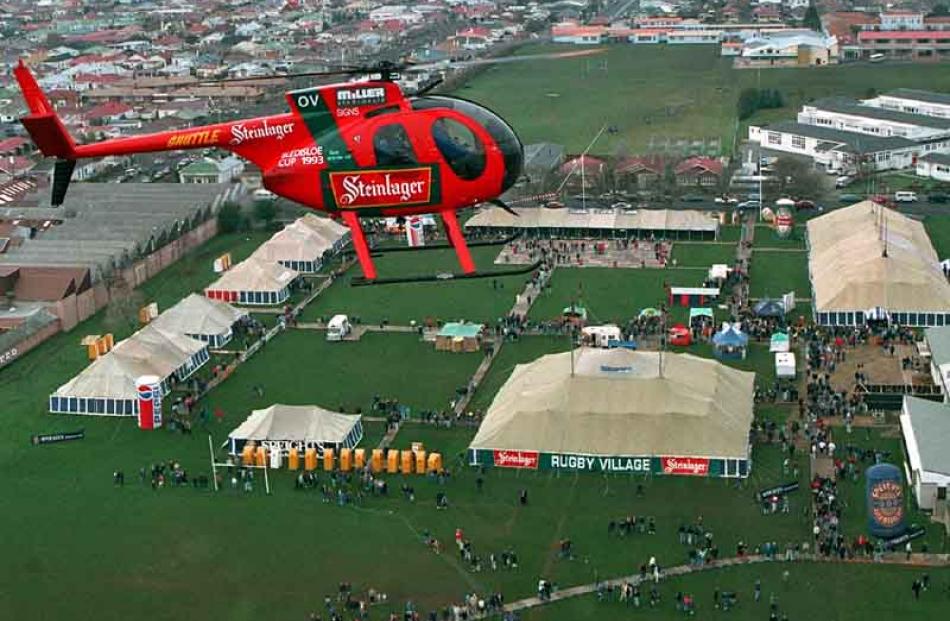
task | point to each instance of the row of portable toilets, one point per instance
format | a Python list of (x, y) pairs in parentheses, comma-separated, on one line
[(392, 461)]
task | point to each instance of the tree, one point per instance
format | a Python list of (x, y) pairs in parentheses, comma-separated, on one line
[(122, 312), (230, 218), (265, 212), (939, 10), (812, 20), (796, 178), (748, 103)]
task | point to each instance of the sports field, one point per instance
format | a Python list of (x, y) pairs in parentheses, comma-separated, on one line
[(938, 228), (110, 552), (663, 97)]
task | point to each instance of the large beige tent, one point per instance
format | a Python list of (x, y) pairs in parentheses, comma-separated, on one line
[(297, 426), (107, 386), (201, 318), (254, 282), (620, 412), (870, 262), (611, 223), (302, 246)]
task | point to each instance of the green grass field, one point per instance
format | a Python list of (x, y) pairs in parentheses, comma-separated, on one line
[(610, 295), (848, 593), (775, 273), (938, 228), (474, 300), (656, 94), (302, 368), (702, 254)]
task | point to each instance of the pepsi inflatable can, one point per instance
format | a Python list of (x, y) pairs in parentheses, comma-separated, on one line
[(149, 390), (415, 231), (885, 500)]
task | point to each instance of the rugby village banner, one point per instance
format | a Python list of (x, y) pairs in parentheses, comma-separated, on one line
[(633, 464)]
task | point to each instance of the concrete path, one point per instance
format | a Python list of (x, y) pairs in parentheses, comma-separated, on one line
[(916, 560)]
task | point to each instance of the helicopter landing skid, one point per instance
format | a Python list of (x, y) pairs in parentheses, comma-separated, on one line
[(379, 251), (359, 281)]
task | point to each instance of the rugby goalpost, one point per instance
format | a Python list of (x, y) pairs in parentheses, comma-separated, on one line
[(215, 465)]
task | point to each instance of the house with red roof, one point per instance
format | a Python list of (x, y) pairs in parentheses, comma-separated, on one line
[(698, 171), (583, 172), (17, 145), (108, 112), (640, 171)]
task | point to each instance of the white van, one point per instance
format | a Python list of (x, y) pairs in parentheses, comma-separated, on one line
[(905, 197), (338, 328)]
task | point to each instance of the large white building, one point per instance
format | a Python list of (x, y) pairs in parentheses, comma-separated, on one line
[(934, 165), (888, 132), (802, 47), (852, 116), (913, 101), (925, 426)]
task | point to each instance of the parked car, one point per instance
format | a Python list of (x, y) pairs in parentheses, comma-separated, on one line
[(748, 205), (843, 181), (799, 205), (905, 197), (849, 198), (939, 197), (726, 200)]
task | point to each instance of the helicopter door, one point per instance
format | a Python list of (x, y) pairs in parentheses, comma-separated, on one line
[(392, 146)]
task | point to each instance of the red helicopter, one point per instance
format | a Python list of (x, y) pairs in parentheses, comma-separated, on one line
[(351, 149)]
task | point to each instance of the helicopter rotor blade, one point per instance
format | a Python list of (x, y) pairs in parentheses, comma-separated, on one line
[(497, 202), (502, 60)]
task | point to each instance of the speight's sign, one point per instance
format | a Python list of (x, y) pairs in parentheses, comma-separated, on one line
[(393, 187)]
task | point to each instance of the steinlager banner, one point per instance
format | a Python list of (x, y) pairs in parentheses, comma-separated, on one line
[(619, 464)]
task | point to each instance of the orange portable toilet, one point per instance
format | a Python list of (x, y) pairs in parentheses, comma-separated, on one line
[(293, 459), (435, 462), (310, 459), (247, 454), (110, 341), (328, 459), (420, 462), (260, 456), (376, 462), (346, 459), (392, 461), (359, 459), (406, 461)]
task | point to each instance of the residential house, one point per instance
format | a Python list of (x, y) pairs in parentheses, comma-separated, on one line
[(210, 170), (698, 171), (637, 173)]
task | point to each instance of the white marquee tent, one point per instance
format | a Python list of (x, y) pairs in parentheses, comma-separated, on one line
[(870, 262), (201, 318), (618, 403), (253, 282), (297, 426), (107, 385), (303, 245)]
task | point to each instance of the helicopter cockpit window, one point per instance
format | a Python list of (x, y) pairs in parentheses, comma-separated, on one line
[(392, 146), (462, 150)]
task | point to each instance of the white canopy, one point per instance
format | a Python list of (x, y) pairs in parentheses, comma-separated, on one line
[(197, 314), (307, 239), (618, 403), (149, 351), (867, 256), (784, 364), (255, 275), (296, 423)]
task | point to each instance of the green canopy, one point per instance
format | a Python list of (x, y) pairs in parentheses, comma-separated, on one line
[(649, 312), (576, 310), (700, 312)]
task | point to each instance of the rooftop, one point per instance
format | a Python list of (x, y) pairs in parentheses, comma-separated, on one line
[(854, 142), (844, 105), (930, 426), (919, 95)]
